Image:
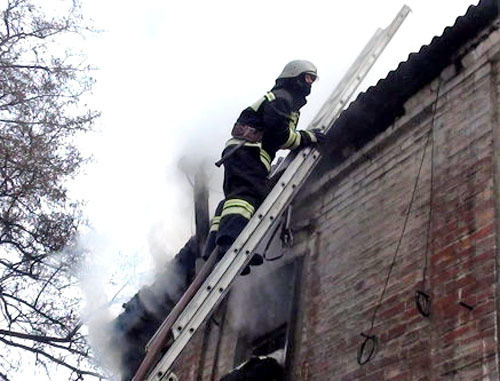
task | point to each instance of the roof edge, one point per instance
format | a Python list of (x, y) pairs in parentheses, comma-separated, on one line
[(374, 110)]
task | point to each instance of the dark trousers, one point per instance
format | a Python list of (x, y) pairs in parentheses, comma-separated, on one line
[(245, 188)]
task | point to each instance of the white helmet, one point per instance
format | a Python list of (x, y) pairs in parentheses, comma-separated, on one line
[(297, 67)]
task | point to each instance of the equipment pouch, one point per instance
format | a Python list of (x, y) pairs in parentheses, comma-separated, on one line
[(246, 132)]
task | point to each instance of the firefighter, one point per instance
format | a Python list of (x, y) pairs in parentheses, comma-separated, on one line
[(261, 130)]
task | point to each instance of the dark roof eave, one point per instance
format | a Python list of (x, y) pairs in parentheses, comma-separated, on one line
[(376, 109)]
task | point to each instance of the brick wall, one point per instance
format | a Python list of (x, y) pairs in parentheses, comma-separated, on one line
[(358, 218), (349, 223)]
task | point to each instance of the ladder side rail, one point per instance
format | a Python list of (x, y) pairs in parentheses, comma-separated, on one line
[(373, 49), (336, 94), (162, 334)]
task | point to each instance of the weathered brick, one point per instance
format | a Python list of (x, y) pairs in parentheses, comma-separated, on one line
[(359, 213)]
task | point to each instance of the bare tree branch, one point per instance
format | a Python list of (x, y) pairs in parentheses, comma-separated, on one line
[(38, 311), (52, 358), (39, 338), (31, 67), (41, 115)]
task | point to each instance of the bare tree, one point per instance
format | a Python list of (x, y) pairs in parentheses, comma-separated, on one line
[(42, 84)]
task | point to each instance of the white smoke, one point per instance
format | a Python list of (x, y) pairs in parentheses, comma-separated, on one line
[(153, 218), (254, 296), (96, 314)]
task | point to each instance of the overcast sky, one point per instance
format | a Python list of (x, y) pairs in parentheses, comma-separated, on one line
[(173, 76)]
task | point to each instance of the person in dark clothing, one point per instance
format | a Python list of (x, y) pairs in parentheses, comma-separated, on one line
[(261, 130)]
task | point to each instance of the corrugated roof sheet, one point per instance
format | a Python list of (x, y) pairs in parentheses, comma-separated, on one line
[(377, 108)]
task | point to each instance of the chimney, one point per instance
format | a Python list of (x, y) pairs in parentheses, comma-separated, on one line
[(201, 212)]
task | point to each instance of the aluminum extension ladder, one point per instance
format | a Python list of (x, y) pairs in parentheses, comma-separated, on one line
[(210, 286)]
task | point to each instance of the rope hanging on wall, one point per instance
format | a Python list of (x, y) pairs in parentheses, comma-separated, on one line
[(422, 299)]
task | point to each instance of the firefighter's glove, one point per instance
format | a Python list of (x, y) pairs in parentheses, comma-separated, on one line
[(312, 137)]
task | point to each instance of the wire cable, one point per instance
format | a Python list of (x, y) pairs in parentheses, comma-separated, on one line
[(422, 299), (431, 187), (393, 262)]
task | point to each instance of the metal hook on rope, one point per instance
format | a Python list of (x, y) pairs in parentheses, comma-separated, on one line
[(368, 349), (423, 302), (286, 235)]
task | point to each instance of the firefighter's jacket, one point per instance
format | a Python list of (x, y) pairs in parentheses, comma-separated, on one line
[(275, 116), (260, 131)]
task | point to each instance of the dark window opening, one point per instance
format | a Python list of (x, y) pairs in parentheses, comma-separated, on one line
[(270, 342), (269, 324)]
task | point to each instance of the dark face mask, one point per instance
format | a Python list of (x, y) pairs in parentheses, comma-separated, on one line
[(300, 86)]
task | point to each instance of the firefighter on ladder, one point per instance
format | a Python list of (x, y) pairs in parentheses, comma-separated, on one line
[(261, 130)]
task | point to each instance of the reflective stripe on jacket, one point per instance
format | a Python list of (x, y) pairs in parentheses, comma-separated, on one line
[(264, 156)]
